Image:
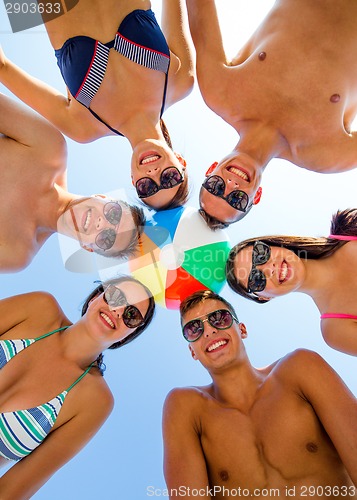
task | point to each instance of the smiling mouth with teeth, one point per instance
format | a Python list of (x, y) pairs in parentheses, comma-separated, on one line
[(240, 173), (87, 220), (149, 159), (217, 344), (283, 272), (107, 320)]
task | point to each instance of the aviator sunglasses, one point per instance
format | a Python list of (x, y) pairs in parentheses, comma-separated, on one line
[(114, 297), (260, 255), (169, 178), (220, 319), (237, 199)]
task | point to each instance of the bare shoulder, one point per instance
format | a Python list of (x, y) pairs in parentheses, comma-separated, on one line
[(185, 399), (297, 364)]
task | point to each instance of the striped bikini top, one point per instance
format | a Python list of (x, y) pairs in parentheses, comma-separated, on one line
[(83, 60), (23, 430)]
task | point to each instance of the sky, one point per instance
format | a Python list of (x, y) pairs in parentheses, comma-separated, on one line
[(124, 460)]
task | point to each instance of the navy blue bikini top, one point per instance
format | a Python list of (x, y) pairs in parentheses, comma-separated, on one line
[(83, 60)]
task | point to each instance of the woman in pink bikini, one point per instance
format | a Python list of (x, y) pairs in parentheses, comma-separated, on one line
[(261, 269)]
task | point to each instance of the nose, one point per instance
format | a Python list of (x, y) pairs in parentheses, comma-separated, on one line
[(117, 311), (153, 170), (100, 222), (208, 329), (231, 185), (268, 269)]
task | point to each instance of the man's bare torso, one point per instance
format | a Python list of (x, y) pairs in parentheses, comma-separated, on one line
[(277, 447), (298, 73)]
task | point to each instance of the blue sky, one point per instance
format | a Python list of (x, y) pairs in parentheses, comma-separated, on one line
[(125, 457)]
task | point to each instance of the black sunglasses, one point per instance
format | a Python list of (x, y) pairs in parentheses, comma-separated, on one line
[(237, 199), (113, 212), (169, 178), (220, 319), (114, 297), (260, 255)]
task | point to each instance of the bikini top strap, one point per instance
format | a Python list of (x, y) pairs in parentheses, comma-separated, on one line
[(80, 377), (342, 237), (50, 333)]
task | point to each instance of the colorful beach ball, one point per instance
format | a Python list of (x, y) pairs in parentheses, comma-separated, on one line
[(179, 255)]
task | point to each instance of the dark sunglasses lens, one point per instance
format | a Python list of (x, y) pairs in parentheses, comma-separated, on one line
[(105, 239), (261, 253), (112, 212), (238, 200), (256, 281), (170, 177), (114, 297), (146, 187), (214, 185), (132, 317), (221, 319), (193, 330)]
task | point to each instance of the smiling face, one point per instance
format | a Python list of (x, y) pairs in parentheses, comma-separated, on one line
[(239, 173), (99, 224), (215, 348), (150, 158), (284, 271), (107, 322)]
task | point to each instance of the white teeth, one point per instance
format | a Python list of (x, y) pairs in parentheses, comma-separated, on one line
[(283, 272), (149, 159), (107, 319), (88, 219), (216, 345), (237, 171)]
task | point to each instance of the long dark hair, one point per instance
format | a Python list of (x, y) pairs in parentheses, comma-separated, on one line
[(147, 318), (343, 223)]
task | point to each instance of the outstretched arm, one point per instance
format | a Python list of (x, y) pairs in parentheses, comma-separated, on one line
[(41, 97), (174, 24), (29, 474), (184, 462), (211, 58)]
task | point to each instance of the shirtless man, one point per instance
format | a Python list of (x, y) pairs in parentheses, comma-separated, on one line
[(34, 200), (288, 429), (290, 93)]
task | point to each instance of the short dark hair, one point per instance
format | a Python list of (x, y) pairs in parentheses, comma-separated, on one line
[(131, 250), (147, 318), (199, 298), (214, 223)]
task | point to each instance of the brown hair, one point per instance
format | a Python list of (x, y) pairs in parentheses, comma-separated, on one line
[(343, 223), (199, 298)]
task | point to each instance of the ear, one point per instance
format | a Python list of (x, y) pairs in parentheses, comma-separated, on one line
[(181, 159), (192, 352), (243, 331), (132, 181), (257, 196), (89, 249), (211, 168)]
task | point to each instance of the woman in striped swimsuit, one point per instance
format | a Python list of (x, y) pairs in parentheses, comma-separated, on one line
[(324, 268), (121, 72), (44, 357)]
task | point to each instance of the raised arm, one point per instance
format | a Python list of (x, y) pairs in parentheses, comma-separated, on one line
[(174, 24), (334, 404), (29, 474), (41, 97), (211, 61), (184, 462)]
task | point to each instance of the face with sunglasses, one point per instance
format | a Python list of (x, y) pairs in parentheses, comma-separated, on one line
[(101, 224), (157, 173), (268, 271), (228, 193)]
